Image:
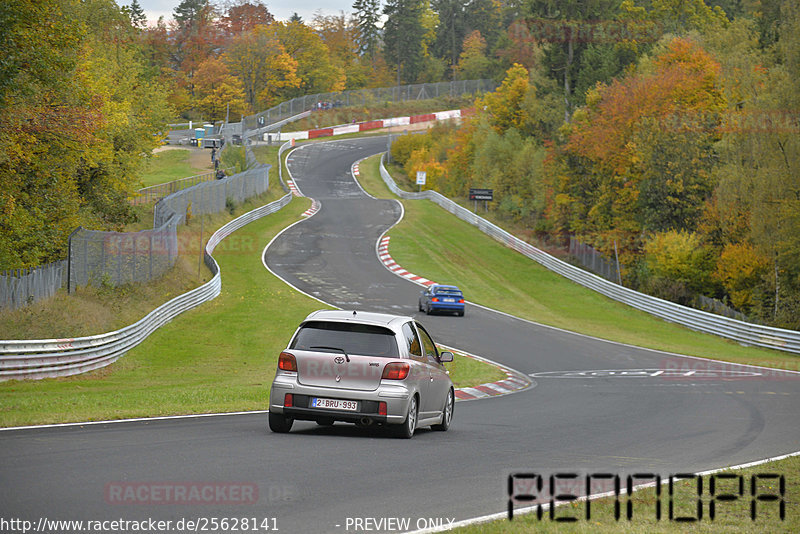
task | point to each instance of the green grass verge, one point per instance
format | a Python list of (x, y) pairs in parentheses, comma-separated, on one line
[(468, 372), (503, 279), (730, 516), (172, 164)]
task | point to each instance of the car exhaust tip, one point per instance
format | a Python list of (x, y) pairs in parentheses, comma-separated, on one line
[(365, 421)]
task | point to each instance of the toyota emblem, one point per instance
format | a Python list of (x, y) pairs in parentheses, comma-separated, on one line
[(339, 360)]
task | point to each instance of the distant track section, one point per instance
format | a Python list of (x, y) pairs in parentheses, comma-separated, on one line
[(376, 124)]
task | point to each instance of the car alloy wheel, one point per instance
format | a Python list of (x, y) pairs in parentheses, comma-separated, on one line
[(406, 430), (447, 413)]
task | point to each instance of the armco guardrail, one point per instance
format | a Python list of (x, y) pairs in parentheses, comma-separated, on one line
[(49, 358), (746, 333)]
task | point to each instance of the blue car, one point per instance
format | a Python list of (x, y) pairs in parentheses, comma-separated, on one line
[(440, 297)]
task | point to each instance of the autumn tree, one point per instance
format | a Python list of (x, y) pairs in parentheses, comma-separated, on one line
[(519, 45), (741, 268), (315, 68), (676, 17), (196, 35), (504, 108), (758, 168), (473, 63), (263, 65), (45, 121), (218, 91), (79, 110), (244, 15), (636, 160), (680, 265), (340, 36)]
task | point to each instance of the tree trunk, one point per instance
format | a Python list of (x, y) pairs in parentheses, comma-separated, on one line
[(567, 89)]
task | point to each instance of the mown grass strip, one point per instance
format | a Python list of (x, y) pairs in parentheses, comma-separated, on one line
[(498, 277), (174, 164)]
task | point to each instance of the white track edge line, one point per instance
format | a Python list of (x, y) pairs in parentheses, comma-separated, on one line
[(546, 506), (132, 420)]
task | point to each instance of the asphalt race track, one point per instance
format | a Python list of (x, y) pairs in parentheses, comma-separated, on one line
[(595, 407)]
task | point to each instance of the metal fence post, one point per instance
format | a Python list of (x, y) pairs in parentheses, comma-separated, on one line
[(150, 258)]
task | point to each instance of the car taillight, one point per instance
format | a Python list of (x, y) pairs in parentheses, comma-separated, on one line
[(396, 371), (287, 362), (461, 301), (434, 299), (382, 408), (288, 400)]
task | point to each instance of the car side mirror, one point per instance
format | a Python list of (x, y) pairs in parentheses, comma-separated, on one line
[(445, 357)]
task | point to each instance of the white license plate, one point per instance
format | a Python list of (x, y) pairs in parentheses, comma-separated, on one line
[(334, 404), (449, 300)]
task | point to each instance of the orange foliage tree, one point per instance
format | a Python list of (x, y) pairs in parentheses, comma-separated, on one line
[(634, 159)]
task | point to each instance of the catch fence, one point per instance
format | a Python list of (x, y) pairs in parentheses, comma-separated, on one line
[(20, 287), (116, 258), (594, 260), (155, 193)]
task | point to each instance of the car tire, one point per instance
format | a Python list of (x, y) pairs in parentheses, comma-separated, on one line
[(280, 423), (447, 413), (421, 308), (406, 430), (427, 309), (461, 313)]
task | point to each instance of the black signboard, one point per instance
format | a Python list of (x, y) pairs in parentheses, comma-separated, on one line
[(481, 194)]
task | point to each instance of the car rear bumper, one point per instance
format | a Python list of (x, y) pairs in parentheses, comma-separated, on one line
[(303, 413), (396, 397), (447, 306)]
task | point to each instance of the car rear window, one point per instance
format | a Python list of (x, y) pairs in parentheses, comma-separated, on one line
[(448, 291), (353, 338)]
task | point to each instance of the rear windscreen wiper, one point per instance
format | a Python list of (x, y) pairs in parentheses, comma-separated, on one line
[(333, 348)]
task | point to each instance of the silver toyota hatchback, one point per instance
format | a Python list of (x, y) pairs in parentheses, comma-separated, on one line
[(363, 368)]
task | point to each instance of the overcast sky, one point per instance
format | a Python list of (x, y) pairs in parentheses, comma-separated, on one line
[(281, 9)]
